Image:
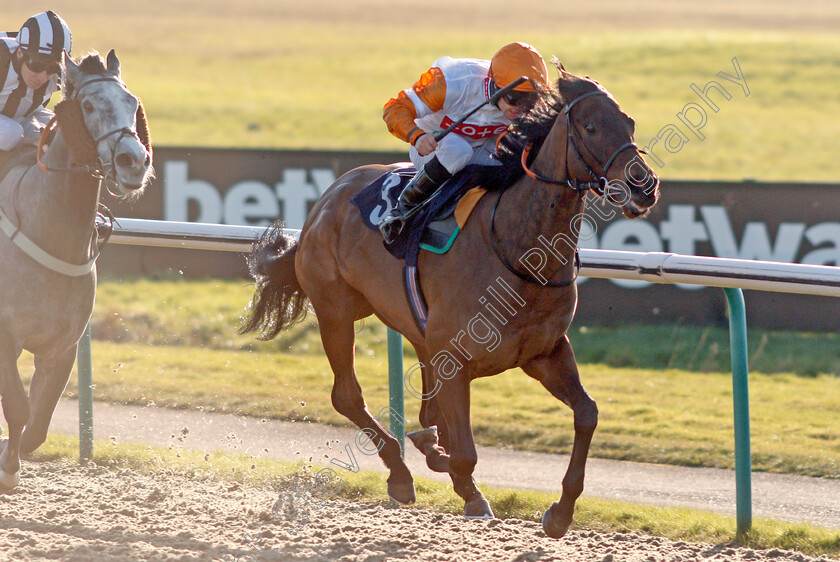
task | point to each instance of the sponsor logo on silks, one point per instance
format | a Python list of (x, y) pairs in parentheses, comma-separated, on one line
[(477, 132)]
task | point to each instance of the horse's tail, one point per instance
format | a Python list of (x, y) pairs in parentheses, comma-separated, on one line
[(279, 300)]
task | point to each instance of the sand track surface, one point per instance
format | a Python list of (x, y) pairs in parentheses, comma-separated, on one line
[(70, 512)]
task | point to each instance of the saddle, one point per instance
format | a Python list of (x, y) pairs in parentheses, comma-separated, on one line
[(433, 228)]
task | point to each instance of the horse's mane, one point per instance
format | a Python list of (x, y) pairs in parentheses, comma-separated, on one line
[(533, 128)]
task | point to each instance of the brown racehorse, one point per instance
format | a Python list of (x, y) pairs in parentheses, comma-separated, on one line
[(520, 247)]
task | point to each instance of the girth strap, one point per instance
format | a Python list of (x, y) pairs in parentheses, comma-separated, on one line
[(35, 252)]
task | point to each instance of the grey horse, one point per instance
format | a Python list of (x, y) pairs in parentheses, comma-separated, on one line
[(48, 244)]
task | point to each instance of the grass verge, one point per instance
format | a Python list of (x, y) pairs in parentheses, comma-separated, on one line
[(666, 416)]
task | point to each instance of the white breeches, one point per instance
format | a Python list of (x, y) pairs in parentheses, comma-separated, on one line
[(454, 152), (23, 129), (11, 133)]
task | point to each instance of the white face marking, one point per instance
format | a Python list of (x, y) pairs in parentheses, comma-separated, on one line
[(110, 111)]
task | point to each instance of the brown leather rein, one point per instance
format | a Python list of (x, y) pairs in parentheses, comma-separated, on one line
[(98, 169), (598, 186)]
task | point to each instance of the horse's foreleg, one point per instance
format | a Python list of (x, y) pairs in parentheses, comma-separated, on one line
[(559, 375), (16, 410), (454, 402), (45, 390), (338, 337)]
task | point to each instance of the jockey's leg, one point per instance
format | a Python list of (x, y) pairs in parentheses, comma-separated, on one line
[(450, 156)]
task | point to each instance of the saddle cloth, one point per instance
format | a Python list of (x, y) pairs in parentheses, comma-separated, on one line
[(434, 228)]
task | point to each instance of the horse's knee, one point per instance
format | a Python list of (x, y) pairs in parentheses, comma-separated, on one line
[(586, 416)]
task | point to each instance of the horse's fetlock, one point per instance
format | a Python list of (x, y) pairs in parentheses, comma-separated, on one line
[(572, 487)]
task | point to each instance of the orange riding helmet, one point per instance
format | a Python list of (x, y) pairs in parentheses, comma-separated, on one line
[(515, 60)]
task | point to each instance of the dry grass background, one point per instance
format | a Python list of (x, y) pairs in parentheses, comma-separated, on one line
[(490, 15), (314, 75)]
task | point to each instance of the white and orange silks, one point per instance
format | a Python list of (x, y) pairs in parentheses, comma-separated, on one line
[(450, 89)]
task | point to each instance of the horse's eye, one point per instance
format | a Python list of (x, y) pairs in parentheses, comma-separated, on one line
[(590, 129), (88, 107)]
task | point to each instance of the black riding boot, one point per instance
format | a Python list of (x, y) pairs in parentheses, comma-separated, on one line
[(421, 186)]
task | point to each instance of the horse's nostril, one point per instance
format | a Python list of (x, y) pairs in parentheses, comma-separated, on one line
[(124, 160), (638, 176)]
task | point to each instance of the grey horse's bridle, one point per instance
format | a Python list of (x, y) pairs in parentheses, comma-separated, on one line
[(102, 170)]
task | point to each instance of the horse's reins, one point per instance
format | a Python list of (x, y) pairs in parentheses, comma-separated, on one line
[(600, 183), (99, 171), (598, 186)]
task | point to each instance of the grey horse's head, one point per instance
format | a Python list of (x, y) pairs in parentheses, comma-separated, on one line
[(110, 114)]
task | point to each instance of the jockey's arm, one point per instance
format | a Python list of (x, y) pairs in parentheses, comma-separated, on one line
[(425, 97)]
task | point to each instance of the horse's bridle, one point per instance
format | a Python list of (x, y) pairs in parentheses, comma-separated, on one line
[(599, 184), (100, 172), (102, 169)]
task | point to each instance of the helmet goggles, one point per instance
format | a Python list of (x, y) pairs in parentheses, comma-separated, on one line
[(41, 63), (524, 100)]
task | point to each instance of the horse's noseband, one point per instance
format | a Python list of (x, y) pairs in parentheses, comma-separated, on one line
[(102, 169), (599, 186)]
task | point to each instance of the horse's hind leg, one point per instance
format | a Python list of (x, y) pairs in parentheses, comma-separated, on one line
[(433, 439), (47, 386), (15, 409), (337, 334), (558, 373)]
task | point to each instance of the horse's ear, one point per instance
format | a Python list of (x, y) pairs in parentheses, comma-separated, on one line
[(113, 62), (558, 65), (71, 68)]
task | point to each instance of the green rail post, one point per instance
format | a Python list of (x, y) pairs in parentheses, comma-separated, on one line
[(83, 362), (395, 382), (741, 404)]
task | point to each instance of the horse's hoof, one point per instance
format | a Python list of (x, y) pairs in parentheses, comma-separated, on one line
[(8, 481), (556, 524), (424, 438), (478, 508), (403, 494)]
